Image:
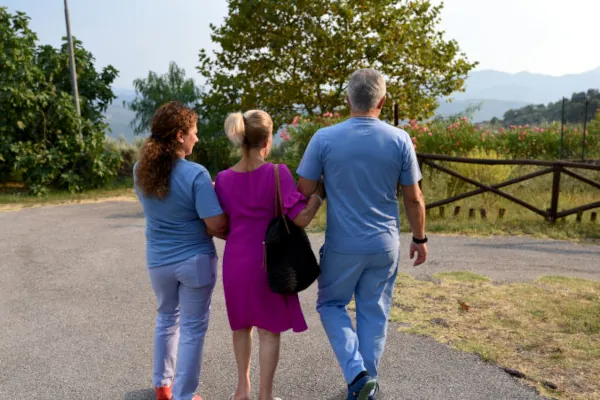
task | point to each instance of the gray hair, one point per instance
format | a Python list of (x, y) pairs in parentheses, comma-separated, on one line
[(365, 89)]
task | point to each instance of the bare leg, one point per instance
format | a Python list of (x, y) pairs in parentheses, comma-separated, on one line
[(242, 348), (269, 357)]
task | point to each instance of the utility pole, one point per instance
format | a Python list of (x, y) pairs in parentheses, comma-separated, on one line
[(72, 61)]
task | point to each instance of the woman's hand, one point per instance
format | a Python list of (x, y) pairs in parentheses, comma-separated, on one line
[(217, 226)]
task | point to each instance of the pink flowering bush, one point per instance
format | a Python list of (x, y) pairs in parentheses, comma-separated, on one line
[(459, 137), (297, 135)]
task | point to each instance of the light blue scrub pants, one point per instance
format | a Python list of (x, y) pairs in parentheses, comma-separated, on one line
[(183, 292), (370, 278)]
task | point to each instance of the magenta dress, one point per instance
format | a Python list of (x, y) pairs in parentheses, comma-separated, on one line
[(248, 198)]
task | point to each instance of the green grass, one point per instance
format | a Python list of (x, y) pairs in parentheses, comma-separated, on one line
[(461, 276), (532, 225), (517, 220), (548, 329), (14, 196)]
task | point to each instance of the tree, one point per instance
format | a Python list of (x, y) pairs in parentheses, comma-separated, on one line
[(43, 140), (212, 150), (540, 113), (20, 81), (295, 56), (155, 90), (95, 92)]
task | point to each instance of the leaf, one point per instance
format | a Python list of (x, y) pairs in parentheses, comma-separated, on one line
[(464, 305), (37, 103), (290, 57)]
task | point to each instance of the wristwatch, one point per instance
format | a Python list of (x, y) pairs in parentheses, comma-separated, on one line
[(420, 241)]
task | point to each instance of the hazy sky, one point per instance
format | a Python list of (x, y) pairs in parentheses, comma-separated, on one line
[(554, 37)]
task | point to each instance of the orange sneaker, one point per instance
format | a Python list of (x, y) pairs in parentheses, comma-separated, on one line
[(196, 397), (163, 393)]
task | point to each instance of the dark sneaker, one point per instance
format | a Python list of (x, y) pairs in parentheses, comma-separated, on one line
[(362, 389), (373, 396)]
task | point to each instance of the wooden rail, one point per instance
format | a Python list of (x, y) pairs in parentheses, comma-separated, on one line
[(556, 168)]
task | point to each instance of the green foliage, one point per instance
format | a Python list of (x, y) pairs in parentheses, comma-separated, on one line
[(95, 93), (212, 150), (295, 56), (594, 126), (297, 135), (540, 113), (128, 153), (156, 90), (44, 142), (485, 174), (459, 137)]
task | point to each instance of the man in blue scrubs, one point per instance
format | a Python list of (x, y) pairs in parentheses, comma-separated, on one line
[(363, 161)]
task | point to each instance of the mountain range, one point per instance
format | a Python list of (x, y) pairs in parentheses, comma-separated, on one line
[(492, 92)]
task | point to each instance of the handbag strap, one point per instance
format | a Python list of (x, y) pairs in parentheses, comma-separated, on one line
[(279, 210)]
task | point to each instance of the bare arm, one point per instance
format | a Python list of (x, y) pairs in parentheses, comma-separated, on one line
[(306, 186), (415, 209), (314, 203), (414, 205), (217, 226)]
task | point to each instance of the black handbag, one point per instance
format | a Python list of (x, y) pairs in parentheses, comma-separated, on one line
[(290, 262)]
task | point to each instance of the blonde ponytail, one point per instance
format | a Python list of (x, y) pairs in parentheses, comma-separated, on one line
[(250, 129), (235, 128)]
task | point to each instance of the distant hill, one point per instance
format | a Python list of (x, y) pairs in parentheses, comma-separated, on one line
[(574, 110), (526, 87), (118, 118), (488, 108)]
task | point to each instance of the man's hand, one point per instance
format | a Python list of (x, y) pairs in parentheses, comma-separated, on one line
[(421, 250)]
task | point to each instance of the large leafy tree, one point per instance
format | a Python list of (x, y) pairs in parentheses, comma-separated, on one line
[(22, 94), (43, 140), (290, 56), (154, 90), (95, 92)]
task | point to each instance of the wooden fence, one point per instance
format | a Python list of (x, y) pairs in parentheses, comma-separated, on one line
[(556, 168)]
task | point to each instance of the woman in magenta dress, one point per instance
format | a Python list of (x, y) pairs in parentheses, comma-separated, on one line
[(246, 193)]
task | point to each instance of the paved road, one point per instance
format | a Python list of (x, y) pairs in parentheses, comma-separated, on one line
[(77, 315)]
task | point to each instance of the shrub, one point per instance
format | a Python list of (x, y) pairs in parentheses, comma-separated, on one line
[(297, 135), (128, 153), (485, 174)]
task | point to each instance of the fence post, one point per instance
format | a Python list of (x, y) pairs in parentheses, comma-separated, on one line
[(562, 130), (555, 193), (584, 131), (396, 113)]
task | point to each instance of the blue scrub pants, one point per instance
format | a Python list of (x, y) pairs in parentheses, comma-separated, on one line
[(183, 292), (370, 278)]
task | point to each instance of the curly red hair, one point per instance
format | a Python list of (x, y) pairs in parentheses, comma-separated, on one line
[(161, 150)]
